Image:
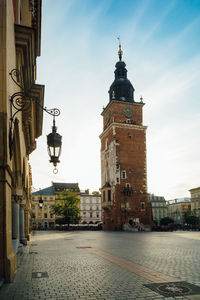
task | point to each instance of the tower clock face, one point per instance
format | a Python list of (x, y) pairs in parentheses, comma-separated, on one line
[(107, 115), (128, 111)]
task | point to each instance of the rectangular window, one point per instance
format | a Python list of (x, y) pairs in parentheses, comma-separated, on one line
[(90, 215), (109, 195), (90, 207), (104, 196), (97, 208), (123, 174), (45, 216), (142, 205), (97, 215)]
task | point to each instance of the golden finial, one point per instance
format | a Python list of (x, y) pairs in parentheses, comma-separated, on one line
[(120, 52)]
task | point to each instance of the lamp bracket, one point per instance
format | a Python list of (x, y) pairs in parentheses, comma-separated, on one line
[(21, 101)]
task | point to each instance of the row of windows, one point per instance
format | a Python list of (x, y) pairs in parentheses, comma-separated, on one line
[(91, 208), (43, 198), (91, 215), (45, 206), (45, 216), (84, 201), (153, 204)]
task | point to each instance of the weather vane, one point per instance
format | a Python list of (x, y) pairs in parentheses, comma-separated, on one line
[(120, 52)]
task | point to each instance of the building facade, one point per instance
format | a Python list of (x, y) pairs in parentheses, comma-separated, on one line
[(20, 36), (195, 201), (42, 216), (42, 201), (123, 156), (159, 208), (178, 209), (90, 206)]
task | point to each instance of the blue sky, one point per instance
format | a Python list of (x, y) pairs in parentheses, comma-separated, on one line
[(161, 41)]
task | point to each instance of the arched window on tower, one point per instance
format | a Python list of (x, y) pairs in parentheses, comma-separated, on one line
[(142, 205)]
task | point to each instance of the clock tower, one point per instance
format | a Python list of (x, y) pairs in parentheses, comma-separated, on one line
[(123, 156)]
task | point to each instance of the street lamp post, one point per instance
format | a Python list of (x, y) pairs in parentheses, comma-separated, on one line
[(21, 101)]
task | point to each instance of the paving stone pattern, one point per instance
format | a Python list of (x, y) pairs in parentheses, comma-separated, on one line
[(74, 272)]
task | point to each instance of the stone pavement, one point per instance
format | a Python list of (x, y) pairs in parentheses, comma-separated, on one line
[(107, 265)]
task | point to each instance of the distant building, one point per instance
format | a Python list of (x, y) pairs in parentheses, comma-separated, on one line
[(90, 206), (159, 208), (195, 201), (42, 201), (177, 209)]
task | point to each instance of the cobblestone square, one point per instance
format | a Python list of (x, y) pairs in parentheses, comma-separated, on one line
[(104, 265)]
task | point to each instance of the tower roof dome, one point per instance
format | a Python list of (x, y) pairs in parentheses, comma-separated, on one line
[(121, 89)]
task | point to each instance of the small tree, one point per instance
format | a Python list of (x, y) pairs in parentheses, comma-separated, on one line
[(166, 221), (66, 208)]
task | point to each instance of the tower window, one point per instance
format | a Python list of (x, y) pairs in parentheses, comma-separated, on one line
[(106, 144), (109, 195), (104, 196), (128, 185), (142, 205), (117, 179), (123, 174)]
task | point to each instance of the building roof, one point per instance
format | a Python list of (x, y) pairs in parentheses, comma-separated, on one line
[(57, 187), (194, 189), (106, 185), (60, 186), (47, 191), (179, 200), (153, 198)]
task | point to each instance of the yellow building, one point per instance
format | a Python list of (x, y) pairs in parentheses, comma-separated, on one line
[(20, 35), (177, 209), (195, 201), (42, 201)]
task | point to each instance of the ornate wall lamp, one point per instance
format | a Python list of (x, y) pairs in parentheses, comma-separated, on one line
[(21, 101)]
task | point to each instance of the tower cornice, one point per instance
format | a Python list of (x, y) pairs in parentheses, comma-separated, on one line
[(125, 102), (122, 125)]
